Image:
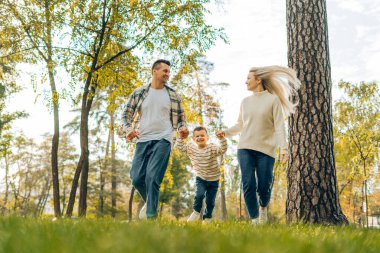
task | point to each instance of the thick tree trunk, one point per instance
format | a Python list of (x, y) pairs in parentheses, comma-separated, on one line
[(312, 186)]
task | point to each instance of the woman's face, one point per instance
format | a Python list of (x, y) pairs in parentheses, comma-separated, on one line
[(254, 84)]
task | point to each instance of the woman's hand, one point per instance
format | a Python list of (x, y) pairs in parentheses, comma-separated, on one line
[(220, 134)]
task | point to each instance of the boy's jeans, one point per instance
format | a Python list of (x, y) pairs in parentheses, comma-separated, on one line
[(206, 189), (254, 164), (148, 169)]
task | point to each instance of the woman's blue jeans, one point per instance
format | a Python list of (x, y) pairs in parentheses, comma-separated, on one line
[(257, 176)]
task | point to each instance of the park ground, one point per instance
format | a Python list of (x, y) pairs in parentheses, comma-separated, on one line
[(108, 235)]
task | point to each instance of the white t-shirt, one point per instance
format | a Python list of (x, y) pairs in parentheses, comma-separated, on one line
[(155, 121)]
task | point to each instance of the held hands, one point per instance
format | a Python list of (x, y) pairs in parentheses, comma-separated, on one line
[(132, 134), (220, 135), (183, 133)]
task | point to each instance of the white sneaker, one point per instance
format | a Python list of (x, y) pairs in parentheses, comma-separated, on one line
[(194, 216), (142, 214), (263, 215), (255, 221)]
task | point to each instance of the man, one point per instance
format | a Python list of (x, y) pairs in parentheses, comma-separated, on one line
[(152, 116)]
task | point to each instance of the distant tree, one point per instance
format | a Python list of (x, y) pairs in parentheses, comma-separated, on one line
[(357, 120), (33, 28), (8, 87)]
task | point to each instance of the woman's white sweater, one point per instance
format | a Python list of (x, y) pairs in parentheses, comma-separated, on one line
[(261, 124)]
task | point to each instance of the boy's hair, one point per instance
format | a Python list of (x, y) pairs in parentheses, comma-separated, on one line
[(158, 62), (199, 128)]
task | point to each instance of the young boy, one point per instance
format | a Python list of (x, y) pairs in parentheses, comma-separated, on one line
[(203, 157)]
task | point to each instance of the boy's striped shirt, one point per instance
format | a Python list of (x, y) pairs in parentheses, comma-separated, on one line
[(205, 160)]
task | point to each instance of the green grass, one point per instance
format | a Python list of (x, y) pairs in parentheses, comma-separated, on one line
[(29, 235)]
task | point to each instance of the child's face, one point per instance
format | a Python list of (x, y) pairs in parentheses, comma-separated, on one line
[(200, 138)]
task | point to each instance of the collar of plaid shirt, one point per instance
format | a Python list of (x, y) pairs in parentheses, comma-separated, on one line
[(177, 113)]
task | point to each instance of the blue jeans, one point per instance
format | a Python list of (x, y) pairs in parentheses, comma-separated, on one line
[(254, 164), (206, 189), (148, 169)]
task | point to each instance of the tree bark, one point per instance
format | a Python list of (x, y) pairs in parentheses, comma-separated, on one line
[(55, 101), (223, 206), (6, 193), (113, 166), (103, 170), (86, 107), (313, 195), (130, 204), (365, 192)]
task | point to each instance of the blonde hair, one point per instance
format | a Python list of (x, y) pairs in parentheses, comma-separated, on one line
[(282, 82)]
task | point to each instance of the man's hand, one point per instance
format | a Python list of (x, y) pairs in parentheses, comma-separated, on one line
[(183, 132), (284, 158), (220, 135), (132, 134)]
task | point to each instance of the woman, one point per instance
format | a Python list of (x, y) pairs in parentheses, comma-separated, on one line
[(261, 124)]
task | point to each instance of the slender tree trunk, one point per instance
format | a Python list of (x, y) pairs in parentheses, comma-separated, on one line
[(365, 192), (74, 186), (83, 164), (161, 209), (63, 202), (200, 103), (313, 195), (113, 166), (102, 175), (6, 193), (130, 205), (82, 207), (55, 100), (240, 197), (223, 206)]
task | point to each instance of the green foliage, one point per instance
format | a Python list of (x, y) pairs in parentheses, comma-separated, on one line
[(105, 235), (175, 184), (8, 87), (357, 141)]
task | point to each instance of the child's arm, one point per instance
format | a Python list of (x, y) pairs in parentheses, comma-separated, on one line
[(222, 148), (183, 146)]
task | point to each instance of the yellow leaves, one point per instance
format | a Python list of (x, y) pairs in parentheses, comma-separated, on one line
[(133, 2), (73, 5)]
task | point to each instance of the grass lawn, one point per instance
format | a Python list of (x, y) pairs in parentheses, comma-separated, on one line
[(105, 235)]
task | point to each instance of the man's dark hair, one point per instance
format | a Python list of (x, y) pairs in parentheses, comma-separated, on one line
[(158, 62), (199, 128)]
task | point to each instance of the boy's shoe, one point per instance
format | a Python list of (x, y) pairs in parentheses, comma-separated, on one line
[(142, 214), (207, 220), (263, 215), (194, 216)]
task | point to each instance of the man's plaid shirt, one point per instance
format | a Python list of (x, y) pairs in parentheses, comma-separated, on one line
[(132, 112)]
